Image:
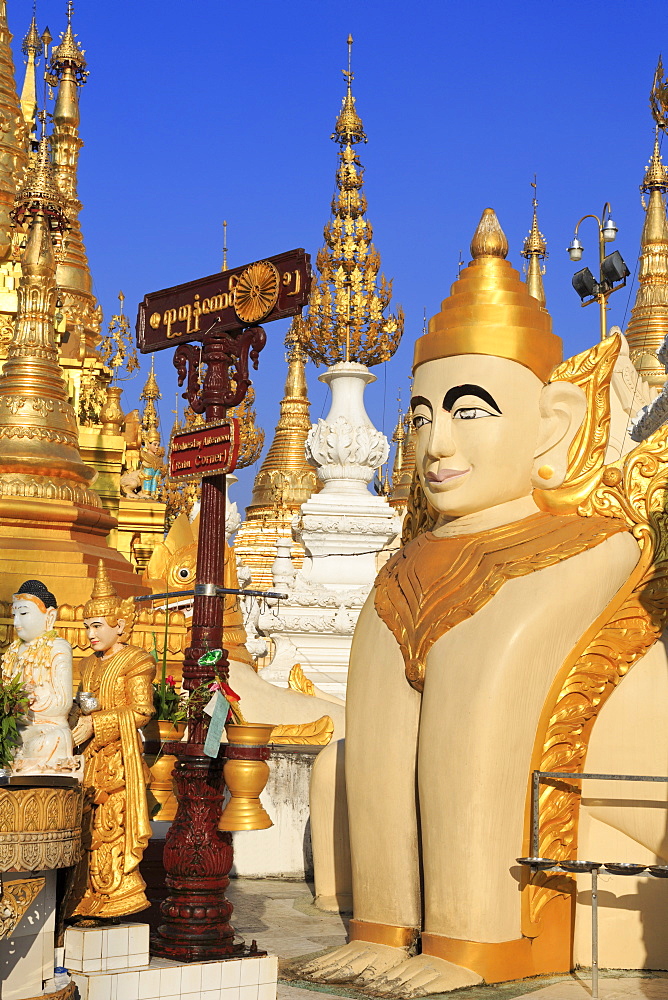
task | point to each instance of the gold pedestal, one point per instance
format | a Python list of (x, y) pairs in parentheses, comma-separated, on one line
[(162, 801), (246, 772)]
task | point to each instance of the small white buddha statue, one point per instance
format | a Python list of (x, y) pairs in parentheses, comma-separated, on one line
[(44, 661)]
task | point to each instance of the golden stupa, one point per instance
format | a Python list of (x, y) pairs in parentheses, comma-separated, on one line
[(403, 466), (648, 326), (52, 524), (285, 481)]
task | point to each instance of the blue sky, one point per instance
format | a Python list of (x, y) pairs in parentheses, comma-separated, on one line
[(195, 112)]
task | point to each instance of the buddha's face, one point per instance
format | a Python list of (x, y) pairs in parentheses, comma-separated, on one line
[(101, 635), (29, 619), (478, 421)]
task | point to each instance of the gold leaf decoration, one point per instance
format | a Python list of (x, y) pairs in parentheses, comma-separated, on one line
[(634, 489), (17, 896), (298, 681), (317, 734)]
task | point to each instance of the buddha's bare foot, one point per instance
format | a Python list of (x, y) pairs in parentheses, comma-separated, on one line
[(419, 976), (348, 962)]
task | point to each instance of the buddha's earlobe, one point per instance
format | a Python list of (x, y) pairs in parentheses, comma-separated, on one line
[(562, 408)]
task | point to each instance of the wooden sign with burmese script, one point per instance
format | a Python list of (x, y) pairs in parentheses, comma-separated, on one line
[(242, 296), (207, 451)]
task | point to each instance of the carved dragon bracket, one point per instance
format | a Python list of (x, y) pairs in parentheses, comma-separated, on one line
[(226, 357)]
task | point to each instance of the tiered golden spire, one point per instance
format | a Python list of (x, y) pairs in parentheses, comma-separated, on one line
[(68, 71), (346, 318), (13, 150), (150, 394), (32, 46), (39, 453), (403, 466), (535, 251), (285, 480), (648, 325)]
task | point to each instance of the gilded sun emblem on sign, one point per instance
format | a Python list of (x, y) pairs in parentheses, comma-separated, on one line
[(256, 292)]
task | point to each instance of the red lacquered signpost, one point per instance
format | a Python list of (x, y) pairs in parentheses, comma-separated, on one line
[(221, 313)]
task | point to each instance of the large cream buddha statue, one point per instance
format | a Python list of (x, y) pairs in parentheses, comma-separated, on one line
[(491, 644)]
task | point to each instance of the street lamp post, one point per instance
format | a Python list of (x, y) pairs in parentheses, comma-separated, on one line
[(612, 268)]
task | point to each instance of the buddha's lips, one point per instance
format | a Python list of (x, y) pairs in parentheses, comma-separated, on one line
[(444, 474)]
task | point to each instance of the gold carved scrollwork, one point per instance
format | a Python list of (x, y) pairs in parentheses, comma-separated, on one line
[(40, 828), (298, 681), (317, 734), (16, 897), (632, 489), (256, 291), (591, 371)]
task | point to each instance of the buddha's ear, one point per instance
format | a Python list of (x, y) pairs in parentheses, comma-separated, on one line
[(562, 409), (120, 626), (50, 620)]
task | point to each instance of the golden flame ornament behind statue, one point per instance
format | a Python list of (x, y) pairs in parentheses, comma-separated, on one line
[(116, 819)]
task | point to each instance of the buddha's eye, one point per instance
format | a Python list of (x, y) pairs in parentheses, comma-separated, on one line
[(420, 421), (471, 413)]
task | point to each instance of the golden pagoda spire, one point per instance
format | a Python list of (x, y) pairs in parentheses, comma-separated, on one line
[(285, 480), (398, 438), (346, 318), (32, 47), (13, 149), (39, 453), (535, 251), (404, 462), (150, 393), (67, 70), (648, 325)]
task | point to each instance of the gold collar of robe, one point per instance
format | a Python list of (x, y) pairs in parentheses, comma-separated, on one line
[(433, 584)]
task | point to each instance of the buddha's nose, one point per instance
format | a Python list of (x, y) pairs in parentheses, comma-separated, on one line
[(441, 442)]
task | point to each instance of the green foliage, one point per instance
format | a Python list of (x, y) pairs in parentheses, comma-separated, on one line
[(170, 706), (13, 707)]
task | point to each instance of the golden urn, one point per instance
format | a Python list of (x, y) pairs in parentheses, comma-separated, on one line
[(161, 766), (246, 772)]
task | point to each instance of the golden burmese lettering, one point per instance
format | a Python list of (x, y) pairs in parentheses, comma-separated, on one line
[(189, 313)]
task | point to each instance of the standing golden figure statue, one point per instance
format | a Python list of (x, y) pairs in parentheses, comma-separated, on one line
[(117, 681), (519, 628)]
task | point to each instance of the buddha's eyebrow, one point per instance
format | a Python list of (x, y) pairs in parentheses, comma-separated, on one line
[(452, 395), (420, 401)]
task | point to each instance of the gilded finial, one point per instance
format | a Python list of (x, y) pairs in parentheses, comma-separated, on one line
[(535, 250), (658, 97), (150, 394), (647, 329), (349, 129), (67, 55), (40, 193), (489, 239), (32, 43), (346, 319), (224, 267), (656, 174)]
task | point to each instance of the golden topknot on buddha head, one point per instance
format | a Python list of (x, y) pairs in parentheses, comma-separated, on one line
[(498, 417)]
